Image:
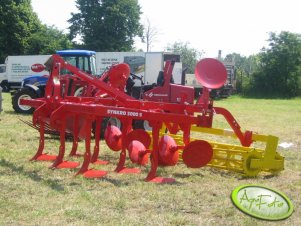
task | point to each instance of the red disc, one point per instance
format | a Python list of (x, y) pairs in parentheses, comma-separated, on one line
[(211, 73), (139, 135), (137, 153), (113, 137), (197, 154), (168, 151)]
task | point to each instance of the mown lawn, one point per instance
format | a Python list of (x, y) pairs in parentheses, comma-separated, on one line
[(33, 194)]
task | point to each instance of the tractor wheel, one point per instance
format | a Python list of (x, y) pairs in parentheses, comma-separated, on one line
[(113, 121), (79, 92), (142, 124), (25, 94)]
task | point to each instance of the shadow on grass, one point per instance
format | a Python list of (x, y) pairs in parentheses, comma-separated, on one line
[(242, 177), (116, 183), (259, 176), (187, 175), (53, 184), (121, 183), (11, 112)]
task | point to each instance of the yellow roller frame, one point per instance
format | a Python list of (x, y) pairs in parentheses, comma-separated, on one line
[(246, 160)]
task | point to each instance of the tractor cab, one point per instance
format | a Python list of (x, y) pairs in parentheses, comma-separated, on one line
[(82, 59), (34, 86)]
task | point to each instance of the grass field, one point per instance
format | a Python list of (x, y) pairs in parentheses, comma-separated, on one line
[(33, 194)]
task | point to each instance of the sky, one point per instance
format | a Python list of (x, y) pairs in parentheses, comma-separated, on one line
[(240, 26)]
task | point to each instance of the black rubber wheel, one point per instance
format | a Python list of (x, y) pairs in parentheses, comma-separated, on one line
[(113, 121), (26, 94), (102, 128), (142, 124)]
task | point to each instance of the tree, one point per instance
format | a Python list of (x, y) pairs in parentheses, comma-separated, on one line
[(47, 40), (17, 23), (189, 55), (106, 25), (150, 34), (279, 72)]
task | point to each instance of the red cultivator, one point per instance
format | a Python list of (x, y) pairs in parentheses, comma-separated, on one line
[(169, 109)]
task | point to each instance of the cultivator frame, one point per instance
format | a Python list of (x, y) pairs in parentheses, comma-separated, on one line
[(77, 115)]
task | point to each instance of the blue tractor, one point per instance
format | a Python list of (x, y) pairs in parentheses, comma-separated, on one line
[(34, 86)]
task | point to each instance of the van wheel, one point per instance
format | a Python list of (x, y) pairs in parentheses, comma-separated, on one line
[(23, 93), (5, 87)]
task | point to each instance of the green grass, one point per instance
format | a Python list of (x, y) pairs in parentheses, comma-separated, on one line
[(33, 194)]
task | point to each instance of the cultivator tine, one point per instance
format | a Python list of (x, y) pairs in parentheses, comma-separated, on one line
[(59, 163), (94, 158), (40, 156), (84, 170), (127, 126), (152, 175), (73, 151)]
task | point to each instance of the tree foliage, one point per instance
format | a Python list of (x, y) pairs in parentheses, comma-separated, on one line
[(47, 40), (279, 72), (106, 25), (17, 23), (189, 55), (22, 31)]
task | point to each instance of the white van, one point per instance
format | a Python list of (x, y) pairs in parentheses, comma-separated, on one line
[(16, 68)]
